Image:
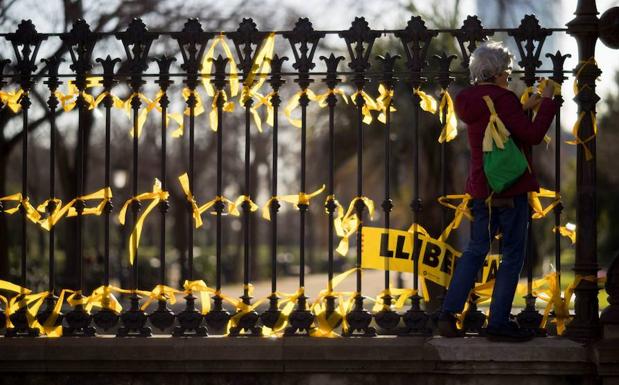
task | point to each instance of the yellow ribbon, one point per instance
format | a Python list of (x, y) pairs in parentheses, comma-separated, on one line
[(197, 211), (322, 98), (285, 306), (32, 302), (68, 210), (426, 102), (68, 100), (369, 105), (207, 65), (347, 224), (155, 196), (31, 213), (12, 99), (293, 103), (205, 293), (239, 202), (300, 198), (450, 123), (526, 94), (261, 65), (534, 201), (578, 139), (227, 107), (103, 297), (383, 100), (326, 323), (242, 308), (495, 131), (184, 181), (569, 231), (576, 128), (161, 293), (461, 210)]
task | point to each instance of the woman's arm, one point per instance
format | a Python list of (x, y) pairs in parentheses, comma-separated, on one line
[(518, 123)]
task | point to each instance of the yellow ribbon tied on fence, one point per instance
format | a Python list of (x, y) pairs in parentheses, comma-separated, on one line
[(197, 214), (22, 201), (495, 131), (12, 99), (241, 200), (207, 65), (368, 105), (569, 231), (205, 291), (161, 293), (326, 322), (383, 101), (534, 201), (347, 224), (155, 197), (60, 211), (322, 99), (103, 297), (295, 199), (293, 103), (227, 107), (576, 128), (450, 122), (261, 66), (426, 102), (461, 211), (69, 100)]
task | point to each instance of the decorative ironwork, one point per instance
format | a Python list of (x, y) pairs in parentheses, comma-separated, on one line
[(471, 32)]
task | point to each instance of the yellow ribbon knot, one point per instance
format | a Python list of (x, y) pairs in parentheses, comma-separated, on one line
[(242, 199), (155, 197), (68, 100), (450, 122), (368, 105), (327, 322), (347, 224), (227, 107), (534, 201), (461, 211), (385, 96), (161, 293), (426, 102), (12, 99), (103, 297), (568, 231), (576, 128), (322, 99), (301, 198), (205, 293), (293, 103), (68, 210), (23, 201)]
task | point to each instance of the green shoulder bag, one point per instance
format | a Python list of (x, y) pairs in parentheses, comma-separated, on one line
[(504, 162)]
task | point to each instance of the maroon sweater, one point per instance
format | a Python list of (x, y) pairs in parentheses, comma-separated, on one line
[(472, 110)]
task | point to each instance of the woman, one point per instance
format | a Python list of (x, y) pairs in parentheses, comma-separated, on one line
[(490, 68)]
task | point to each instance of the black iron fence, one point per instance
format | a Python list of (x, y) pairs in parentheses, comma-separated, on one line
[(214, 76)]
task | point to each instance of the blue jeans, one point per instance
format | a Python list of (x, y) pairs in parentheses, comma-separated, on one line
[(513, 225)]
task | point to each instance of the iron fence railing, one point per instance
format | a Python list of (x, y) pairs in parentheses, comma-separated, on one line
[(258, 69)]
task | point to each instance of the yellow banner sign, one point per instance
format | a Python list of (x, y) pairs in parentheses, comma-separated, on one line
[(393, 249)]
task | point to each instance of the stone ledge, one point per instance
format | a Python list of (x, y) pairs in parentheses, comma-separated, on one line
[(415, 355)]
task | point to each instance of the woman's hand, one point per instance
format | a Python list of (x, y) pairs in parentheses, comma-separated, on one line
[(533, 101), (548, 91)]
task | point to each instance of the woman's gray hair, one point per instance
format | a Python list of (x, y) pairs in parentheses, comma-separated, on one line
[(489, 60)]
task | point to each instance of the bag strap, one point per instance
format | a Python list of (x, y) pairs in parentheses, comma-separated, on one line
[(496, 132)]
